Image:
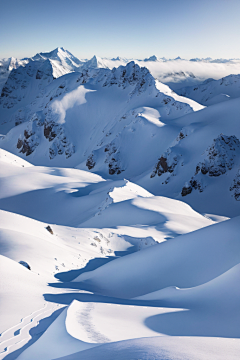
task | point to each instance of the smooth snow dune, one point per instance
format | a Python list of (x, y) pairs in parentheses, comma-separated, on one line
[(186, 261), (170, 216), (163, 348), (214, 308), (100, 323), (55, 342)]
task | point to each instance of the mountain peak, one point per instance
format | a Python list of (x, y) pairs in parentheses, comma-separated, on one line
[(151, 58)]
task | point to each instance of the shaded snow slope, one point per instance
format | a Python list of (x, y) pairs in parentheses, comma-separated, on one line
[(213, 91), (204, 302), (164, 348), (203, 162), (187, 261)]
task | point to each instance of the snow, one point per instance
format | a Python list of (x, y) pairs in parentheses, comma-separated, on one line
[(164, 348), (214, 91), (119, 209)]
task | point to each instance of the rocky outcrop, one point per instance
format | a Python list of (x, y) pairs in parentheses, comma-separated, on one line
[(166, 164), (219, 158), (54, 133), (25, 264), (113, 159), (90, 163), (235, 187), (132, 74)]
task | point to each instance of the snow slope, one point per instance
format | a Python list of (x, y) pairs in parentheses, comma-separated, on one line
[(187, 261), (213, 91), (163, 348), (203, 161), (67, 197), (204, 302), (115, 198)]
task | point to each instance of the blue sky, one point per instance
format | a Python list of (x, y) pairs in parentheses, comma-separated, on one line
[(110, 28)]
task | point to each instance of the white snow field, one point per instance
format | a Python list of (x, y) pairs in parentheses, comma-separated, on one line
[(119, 209)]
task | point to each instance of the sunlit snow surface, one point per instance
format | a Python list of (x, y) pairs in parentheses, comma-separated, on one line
[(103, 265)]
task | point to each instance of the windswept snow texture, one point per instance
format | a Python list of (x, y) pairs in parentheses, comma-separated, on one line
[(119, 209)]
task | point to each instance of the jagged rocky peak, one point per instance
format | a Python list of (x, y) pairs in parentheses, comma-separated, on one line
[(151, 58), (59, 54), (220, 157), (94, 63), (19, 80), (130, 74)]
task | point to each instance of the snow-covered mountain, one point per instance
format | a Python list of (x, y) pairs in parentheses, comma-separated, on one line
[(6, 66), (62, 62), (119, 209), (86, 119), (213, 91), (203, 162), (96, 120)]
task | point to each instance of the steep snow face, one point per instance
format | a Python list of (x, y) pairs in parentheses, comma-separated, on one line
[(61, 55), (7, 65), (62, 61), (205, 157), (96, 120), (213, 91), (25, 83)]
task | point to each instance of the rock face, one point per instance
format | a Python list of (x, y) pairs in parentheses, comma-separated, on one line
[(220, 157), (170, 159), (25, 264), (235, 187), (54, 133)]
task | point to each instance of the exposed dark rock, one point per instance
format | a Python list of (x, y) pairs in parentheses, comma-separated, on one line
[(19, 143), (25, 264), (235, 187), (90, 163), (219, 158), (48, 228), (167, 163), (186, 190), (49, 132)]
